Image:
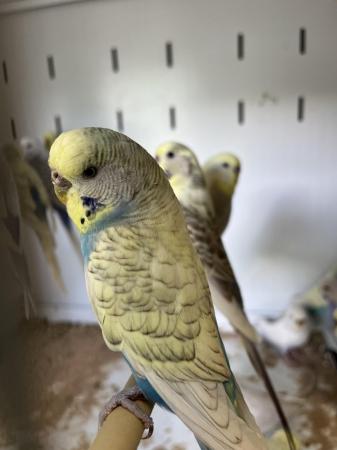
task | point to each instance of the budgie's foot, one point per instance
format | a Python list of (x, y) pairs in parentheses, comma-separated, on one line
[(127, 398), (295, 357)]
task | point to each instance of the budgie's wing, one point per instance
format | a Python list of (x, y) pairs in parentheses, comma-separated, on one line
[(224, 288), (151, 298)]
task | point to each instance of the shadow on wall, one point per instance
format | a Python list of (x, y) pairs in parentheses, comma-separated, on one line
[(297, 229)]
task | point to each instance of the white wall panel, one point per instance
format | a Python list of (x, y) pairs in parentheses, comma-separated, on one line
[(283, 230)]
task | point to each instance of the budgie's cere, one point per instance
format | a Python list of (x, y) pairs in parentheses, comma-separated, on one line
[(222, 173), (147, 285), (188, 182)]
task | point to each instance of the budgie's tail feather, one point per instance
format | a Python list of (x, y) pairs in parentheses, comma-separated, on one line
[(202, 447), (48, 247), (259, 366)]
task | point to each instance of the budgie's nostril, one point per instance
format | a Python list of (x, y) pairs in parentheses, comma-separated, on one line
[(54, 175)]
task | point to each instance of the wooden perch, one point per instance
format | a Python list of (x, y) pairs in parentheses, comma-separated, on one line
[(121, 430)]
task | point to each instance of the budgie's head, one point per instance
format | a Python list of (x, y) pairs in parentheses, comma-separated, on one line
[(180, 164), (183, 170), (222, 171), (48, 139), (104, 177), (31, 146)]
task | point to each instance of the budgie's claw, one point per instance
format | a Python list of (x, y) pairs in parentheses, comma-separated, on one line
[(127, 398)]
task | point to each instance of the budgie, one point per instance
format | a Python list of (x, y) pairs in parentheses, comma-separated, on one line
[(289, 332), (37, 156), (222, 173), (48, 139), (34, 204), (147, 285), (320, 301), (11, 241), (188, 182)]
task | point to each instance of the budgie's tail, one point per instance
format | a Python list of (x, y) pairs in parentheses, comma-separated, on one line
[(259, 366), (51, 257), (202, 447)]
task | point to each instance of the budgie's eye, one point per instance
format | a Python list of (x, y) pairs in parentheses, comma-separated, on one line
[(170, 155), (90, 172), (225, 165)]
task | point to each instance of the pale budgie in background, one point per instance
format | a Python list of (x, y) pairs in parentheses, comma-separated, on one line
[(11, 241), (320, 301), (147, 285), (289, 332), (188, 182), (37, 156), (34, 204), (222, 173)]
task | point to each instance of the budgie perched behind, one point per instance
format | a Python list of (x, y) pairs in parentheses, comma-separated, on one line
[(48, 139), (11, 242), (34, 204), (147, 285), (189, 185), (222, 173), (37, 156)]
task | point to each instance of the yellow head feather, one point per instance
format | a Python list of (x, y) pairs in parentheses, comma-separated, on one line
[(222, 171), (48, 139)]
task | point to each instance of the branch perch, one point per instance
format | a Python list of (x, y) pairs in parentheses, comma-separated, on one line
[(121, 430)]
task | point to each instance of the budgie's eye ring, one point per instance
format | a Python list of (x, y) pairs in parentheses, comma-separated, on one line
[(170, 155), (89, 172), (225, 165)]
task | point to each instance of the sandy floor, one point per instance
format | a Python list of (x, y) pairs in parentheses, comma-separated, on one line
[(65, 373)]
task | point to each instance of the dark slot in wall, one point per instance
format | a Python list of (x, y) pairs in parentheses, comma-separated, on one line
[(300, 109), (173, 118), (120, 121), (58, 125), (169, 54), (241, 112), (13, 128), (51, 67), (114, 60), (303, 41), (4, 71), (241, 46)]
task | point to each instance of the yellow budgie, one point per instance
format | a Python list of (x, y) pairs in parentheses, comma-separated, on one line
[(48, 139), (34, 204), (11, 242), (188, 182), (147, 286), (222, 173)]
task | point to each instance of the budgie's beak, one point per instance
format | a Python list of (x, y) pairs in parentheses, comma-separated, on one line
[(61, 186)]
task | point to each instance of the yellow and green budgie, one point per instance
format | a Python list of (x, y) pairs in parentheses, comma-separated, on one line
[(222, 174), (11, 241), (147, 285), (188, 182), (34, 204)]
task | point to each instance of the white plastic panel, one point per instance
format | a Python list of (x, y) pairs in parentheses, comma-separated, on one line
[(283, 230)]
